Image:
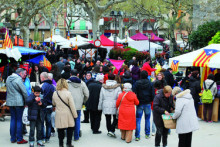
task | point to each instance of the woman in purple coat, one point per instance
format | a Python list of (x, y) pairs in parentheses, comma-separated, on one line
[(135, 71)]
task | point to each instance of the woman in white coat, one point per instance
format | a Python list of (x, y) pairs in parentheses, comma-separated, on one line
[(185, 114)]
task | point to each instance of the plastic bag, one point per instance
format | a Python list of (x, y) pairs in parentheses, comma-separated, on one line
[(25, 116)]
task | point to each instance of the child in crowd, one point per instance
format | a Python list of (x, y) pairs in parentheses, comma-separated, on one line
[(35, 104)]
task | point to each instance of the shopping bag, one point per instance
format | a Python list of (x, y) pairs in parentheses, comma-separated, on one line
[(168, 121), (25, 117), (53, 119)]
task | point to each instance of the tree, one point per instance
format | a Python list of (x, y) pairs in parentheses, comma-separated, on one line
[(37, 19), (215, 39), (95, 10), (204, 33)]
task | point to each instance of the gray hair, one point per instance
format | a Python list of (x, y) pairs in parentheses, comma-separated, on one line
[(176, 90), (50, 76), (61, 58), (45, 75), (127, 87), (19, 70)]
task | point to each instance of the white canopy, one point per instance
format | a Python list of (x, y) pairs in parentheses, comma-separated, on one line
[(79, 38), (178, 42), (187, 59), (112, 39), (67, 44), (143, 45), (128, 39), (11, 53), (56, 38)]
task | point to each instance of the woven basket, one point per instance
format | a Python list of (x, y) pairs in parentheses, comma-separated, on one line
[(170, 123)]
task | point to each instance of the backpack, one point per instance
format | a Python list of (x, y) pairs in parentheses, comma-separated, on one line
[(207, 96)]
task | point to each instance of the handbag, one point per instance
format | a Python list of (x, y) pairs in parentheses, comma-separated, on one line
[(65, 104), (25, 116), (117, 112)]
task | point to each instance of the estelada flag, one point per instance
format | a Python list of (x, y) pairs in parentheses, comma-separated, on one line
[(205, 72), (175, 65), (68, 35), (204, 57), (47, 63), (8, 42)]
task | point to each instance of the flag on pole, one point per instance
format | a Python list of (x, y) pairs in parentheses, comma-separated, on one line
[(175, 65), (51, 42), (68, 35), (204, 57), (8, 42), (47, 63)]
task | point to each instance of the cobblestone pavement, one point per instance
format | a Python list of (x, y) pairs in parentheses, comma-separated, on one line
[(207, 136)]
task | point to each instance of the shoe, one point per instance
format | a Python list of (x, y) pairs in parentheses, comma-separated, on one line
[(31, 145), (43, 141), (22, 142), (47, 141), (111, 134), (76, 139), (52, 134), (13, 141), (80, 133), (84, 121), (153, 134), (147, 136), (122, 139), (69, 145), (26, 134), (97, 132), (40, 144), (137, 139), (128, 142)]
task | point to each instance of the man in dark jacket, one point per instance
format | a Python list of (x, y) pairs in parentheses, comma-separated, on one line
[(163, 104), (92, 103), (47, 91), (195, 88), (42, 68), (169, 77), (145, 94), (60, 64)]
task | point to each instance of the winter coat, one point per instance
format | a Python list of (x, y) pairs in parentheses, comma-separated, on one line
[(94, 94), (169, 78), (195, 88), (135, 73), (213, 89), (145, 91), (161, 104), (47, 90), (16, 91), (127, 117), (33, 76), (127, 77), (66, 75), (79, 91), (27, 85), (64, 118), (33, 108), (108, 96), (148, 68), (72, 65), (185, 113)]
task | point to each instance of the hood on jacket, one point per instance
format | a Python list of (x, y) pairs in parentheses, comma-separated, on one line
[(208, 83), (127, 75), (13, 77), (74, 79), (110, 84), (184, 94), (192, 79)]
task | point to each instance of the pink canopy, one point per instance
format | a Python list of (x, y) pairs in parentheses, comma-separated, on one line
[(155, 38), (139, 36), (106, 42)]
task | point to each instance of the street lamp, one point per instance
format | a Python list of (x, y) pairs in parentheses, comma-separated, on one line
[(43, 35), (18, 34), (116, 15), (149, 37)]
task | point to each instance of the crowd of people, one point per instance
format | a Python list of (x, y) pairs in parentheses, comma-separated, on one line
[(121, 95)]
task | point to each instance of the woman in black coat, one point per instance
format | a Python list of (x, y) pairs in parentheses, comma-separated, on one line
[(163, 104), (35, 74)]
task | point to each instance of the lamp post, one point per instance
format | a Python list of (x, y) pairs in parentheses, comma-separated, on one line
[(116, 15), (43, 35), (149, 37), (13, 33), (18, 34)]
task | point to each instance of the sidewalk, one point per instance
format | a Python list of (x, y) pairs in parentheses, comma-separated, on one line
[(207, 136)]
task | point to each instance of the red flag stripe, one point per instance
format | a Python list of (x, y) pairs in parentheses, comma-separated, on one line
[(198, 58)]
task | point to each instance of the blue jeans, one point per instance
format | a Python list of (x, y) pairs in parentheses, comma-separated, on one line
[(47, 118), (16, 123), (146, 108), (77, 125)]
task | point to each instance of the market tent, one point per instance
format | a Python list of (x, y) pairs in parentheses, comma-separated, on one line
[(112, 39), (143, 45), (56, 38), (107, 42), (128, 39), (79, 38), (155, 38), (139, 36), (187, 59)]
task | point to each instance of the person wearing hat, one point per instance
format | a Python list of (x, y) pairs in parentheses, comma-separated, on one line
[(185, 114), (126, 106)]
